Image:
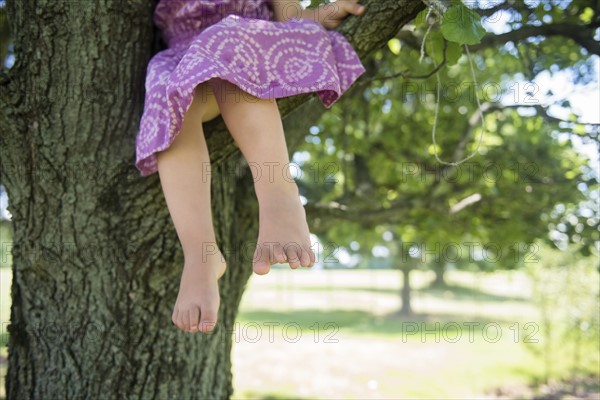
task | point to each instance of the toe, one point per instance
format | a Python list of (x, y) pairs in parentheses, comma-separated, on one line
[(206, 326), (311, 255), (209, 319), (305, 258), (185, 319), (261, 264), (292, 251), (194, 318), (180, 323), (279, 254), (175, 316)]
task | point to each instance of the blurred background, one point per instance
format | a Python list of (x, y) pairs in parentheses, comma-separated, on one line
[(435, 281)]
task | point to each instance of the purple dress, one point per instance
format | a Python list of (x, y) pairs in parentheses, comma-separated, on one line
[(235, 40)]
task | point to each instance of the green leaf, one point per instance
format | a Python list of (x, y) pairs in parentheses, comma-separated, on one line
[(587, 15), (420, 20), (434, 46), (453, 53), (394, 46), (462, 25)]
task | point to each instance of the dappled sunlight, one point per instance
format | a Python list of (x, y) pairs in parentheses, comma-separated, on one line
[(301, 336)]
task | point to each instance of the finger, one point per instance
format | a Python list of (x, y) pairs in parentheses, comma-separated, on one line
[(352, 7)]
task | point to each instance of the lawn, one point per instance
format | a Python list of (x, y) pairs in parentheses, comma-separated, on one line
[(339, 336), (314, 334)]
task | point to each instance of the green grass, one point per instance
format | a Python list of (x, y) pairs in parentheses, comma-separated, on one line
[(362, 323), (373, 352), (337, 334), (456, 292)]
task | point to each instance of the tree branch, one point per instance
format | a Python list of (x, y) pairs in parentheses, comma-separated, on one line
[(543, 112), (440, 6), (516, 5), (579, 33), (325, 216), (407, 76), (487, 107)]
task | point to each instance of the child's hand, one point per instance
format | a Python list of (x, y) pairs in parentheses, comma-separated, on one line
[(331, 15)]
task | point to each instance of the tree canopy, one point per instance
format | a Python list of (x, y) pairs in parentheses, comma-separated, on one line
[(369, 165)]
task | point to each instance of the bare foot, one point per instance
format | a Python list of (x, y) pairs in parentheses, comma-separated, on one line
[(283, 233), (198, 300)]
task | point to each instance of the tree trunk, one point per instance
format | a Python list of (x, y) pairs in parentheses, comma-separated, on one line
[(96, 261), (439, 268), (405, 292)]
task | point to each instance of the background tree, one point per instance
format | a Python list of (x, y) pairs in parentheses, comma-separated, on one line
[(374, 162)]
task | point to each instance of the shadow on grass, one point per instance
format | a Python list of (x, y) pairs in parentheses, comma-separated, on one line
[(447, 291), (271, 396), (361, 322), (459, 292), (573, 387)]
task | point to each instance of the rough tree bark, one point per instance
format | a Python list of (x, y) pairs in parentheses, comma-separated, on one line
[(406, 307), (96, 262)]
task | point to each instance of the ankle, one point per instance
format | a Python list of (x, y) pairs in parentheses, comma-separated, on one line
[(274, 192), (207, 252)]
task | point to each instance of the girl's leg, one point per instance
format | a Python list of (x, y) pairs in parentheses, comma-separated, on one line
[(184, 170), (256, 126)]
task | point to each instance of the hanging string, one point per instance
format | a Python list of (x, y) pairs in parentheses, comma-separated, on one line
[(437, 108), (438, 99), (426, 34)]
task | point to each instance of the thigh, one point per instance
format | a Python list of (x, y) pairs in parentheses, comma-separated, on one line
[(203, 108), (204, 104)]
